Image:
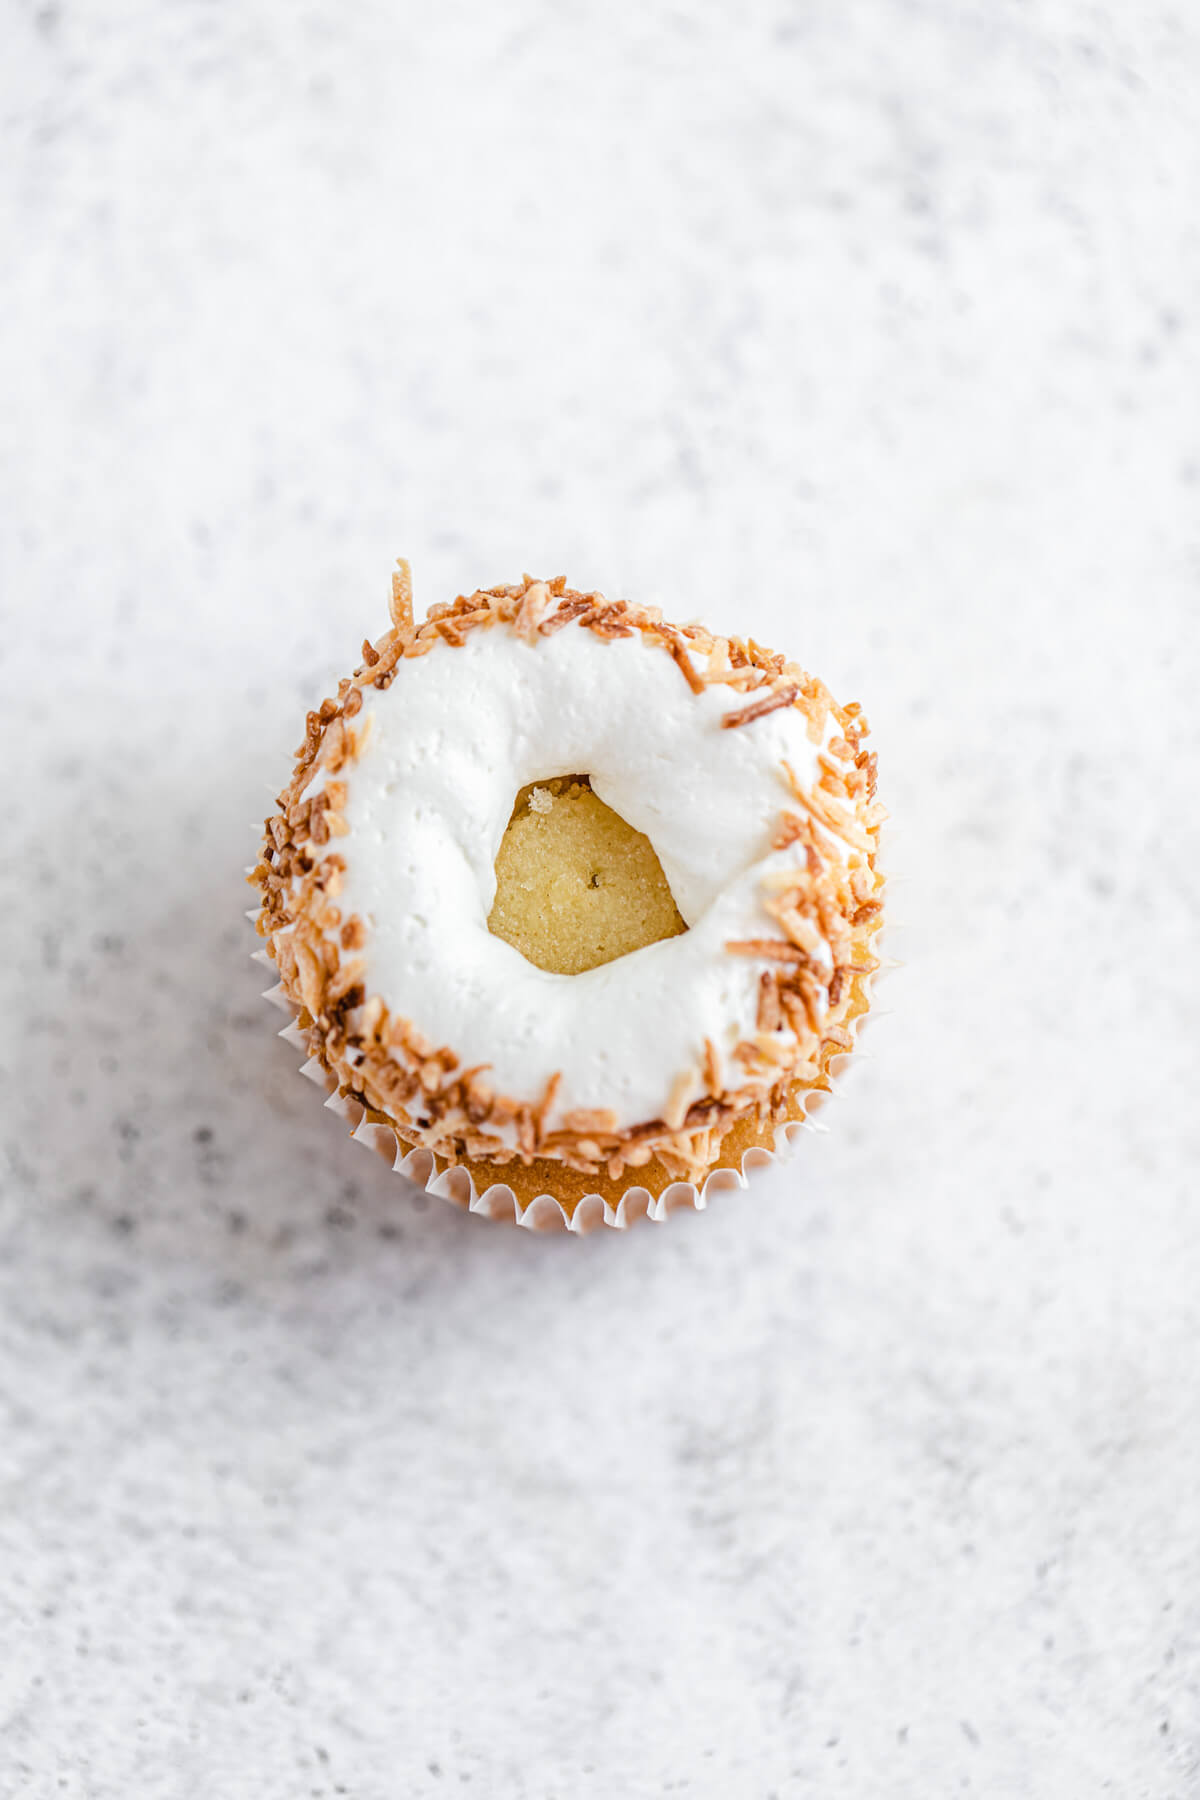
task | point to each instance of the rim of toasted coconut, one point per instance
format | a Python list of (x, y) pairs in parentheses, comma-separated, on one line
[(820, 916)]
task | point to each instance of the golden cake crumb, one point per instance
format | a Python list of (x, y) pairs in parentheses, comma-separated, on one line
[(575, 885)]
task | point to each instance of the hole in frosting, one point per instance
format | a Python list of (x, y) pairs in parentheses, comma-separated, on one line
[(575, 885)]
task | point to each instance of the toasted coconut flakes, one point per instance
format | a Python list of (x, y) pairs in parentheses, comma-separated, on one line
[(812, 995), (791, 827), (799, 1020), (835, 778), (707, 1113), (844, 826), (712, 1067), (793, 780), (719, 665), (430, 1076), (335, 746), (609, 619), (343, 979), (531, 610), (400, 605), (676, 647), (682, 1089), (311, 975), (862, 883), (372, 1016), (570, 609), (542, 1109), (742, 679), (484, 1146), (768, 1002), (590, 1119), (802, 932), (468, 621), (774, 949), (760, 708)]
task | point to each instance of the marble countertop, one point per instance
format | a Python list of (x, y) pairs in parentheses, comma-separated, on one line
[(870, 329)]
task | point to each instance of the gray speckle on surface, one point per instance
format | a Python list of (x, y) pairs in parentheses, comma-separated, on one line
[(871, 329)]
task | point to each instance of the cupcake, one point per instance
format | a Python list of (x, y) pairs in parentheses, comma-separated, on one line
[(573, 907)]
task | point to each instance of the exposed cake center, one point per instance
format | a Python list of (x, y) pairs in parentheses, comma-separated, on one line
[(575, 885)]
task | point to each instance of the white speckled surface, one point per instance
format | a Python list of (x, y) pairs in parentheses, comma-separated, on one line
[(872, 327)]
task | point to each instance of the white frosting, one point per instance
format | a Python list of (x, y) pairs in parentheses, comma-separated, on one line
[(449, 745)]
